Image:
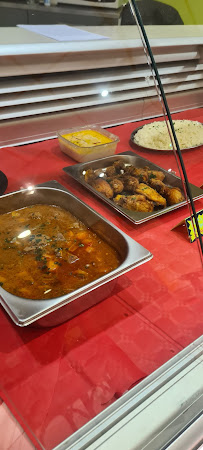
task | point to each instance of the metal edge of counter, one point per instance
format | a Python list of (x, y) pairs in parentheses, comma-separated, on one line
[(153, 414), (192, 437)]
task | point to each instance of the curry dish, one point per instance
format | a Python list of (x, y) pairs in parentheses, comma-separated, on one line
[(46, 252), (134, 188), (87, 138)]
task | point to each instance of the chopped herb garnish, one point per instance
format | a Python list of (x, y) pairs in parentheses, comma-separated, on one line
[(81, 245), (57, 263), (38, 252)]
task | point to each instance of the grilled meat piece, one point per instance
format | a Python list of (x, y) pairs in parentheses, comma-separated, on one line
[(174, 196), (151, 194), (141, 174), (90, 176), (130, 183), (110, 171), (134, 203), (159, 186), (119, 165), (103, 187), (157, 174), (117, 185)]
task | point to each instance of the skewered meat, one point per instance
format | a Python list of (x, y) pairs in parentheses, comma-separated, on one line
[(151, 194)]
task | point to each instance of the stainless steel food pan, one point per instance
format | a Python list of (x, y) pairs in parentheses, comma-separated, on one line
[(57, 310), (130, 158)]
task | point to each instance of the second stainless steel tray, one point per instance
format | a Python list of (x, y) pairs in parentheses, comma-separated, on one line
[(53, 311), (130, 158)]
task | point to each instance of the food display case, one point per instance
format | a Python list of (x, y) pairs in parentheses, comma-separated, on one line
[(116, 362)]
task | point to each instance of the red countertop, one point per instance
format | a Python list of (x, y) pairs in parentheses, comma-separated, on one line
[(55, 380)]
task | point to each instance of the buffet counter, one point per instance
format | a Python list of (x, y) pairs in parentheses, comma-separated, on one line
[(57, 379)]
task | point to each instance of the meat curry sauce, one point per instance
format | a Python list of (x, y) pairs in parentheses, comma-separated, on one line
[(46, 252)]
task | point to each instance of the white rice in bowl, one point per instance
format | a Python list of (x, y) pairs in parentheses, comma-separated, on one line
[(155, 135)]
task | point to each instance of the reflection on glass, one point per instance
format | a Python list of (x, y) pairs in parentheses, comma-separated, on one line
[(153, 13), (24, 234), (104, 93), (100, 12)]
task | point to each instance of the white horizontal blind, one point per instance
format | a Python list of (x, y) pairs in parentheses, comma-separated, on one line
[(121, 74), (59, 80), (31, 95)]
